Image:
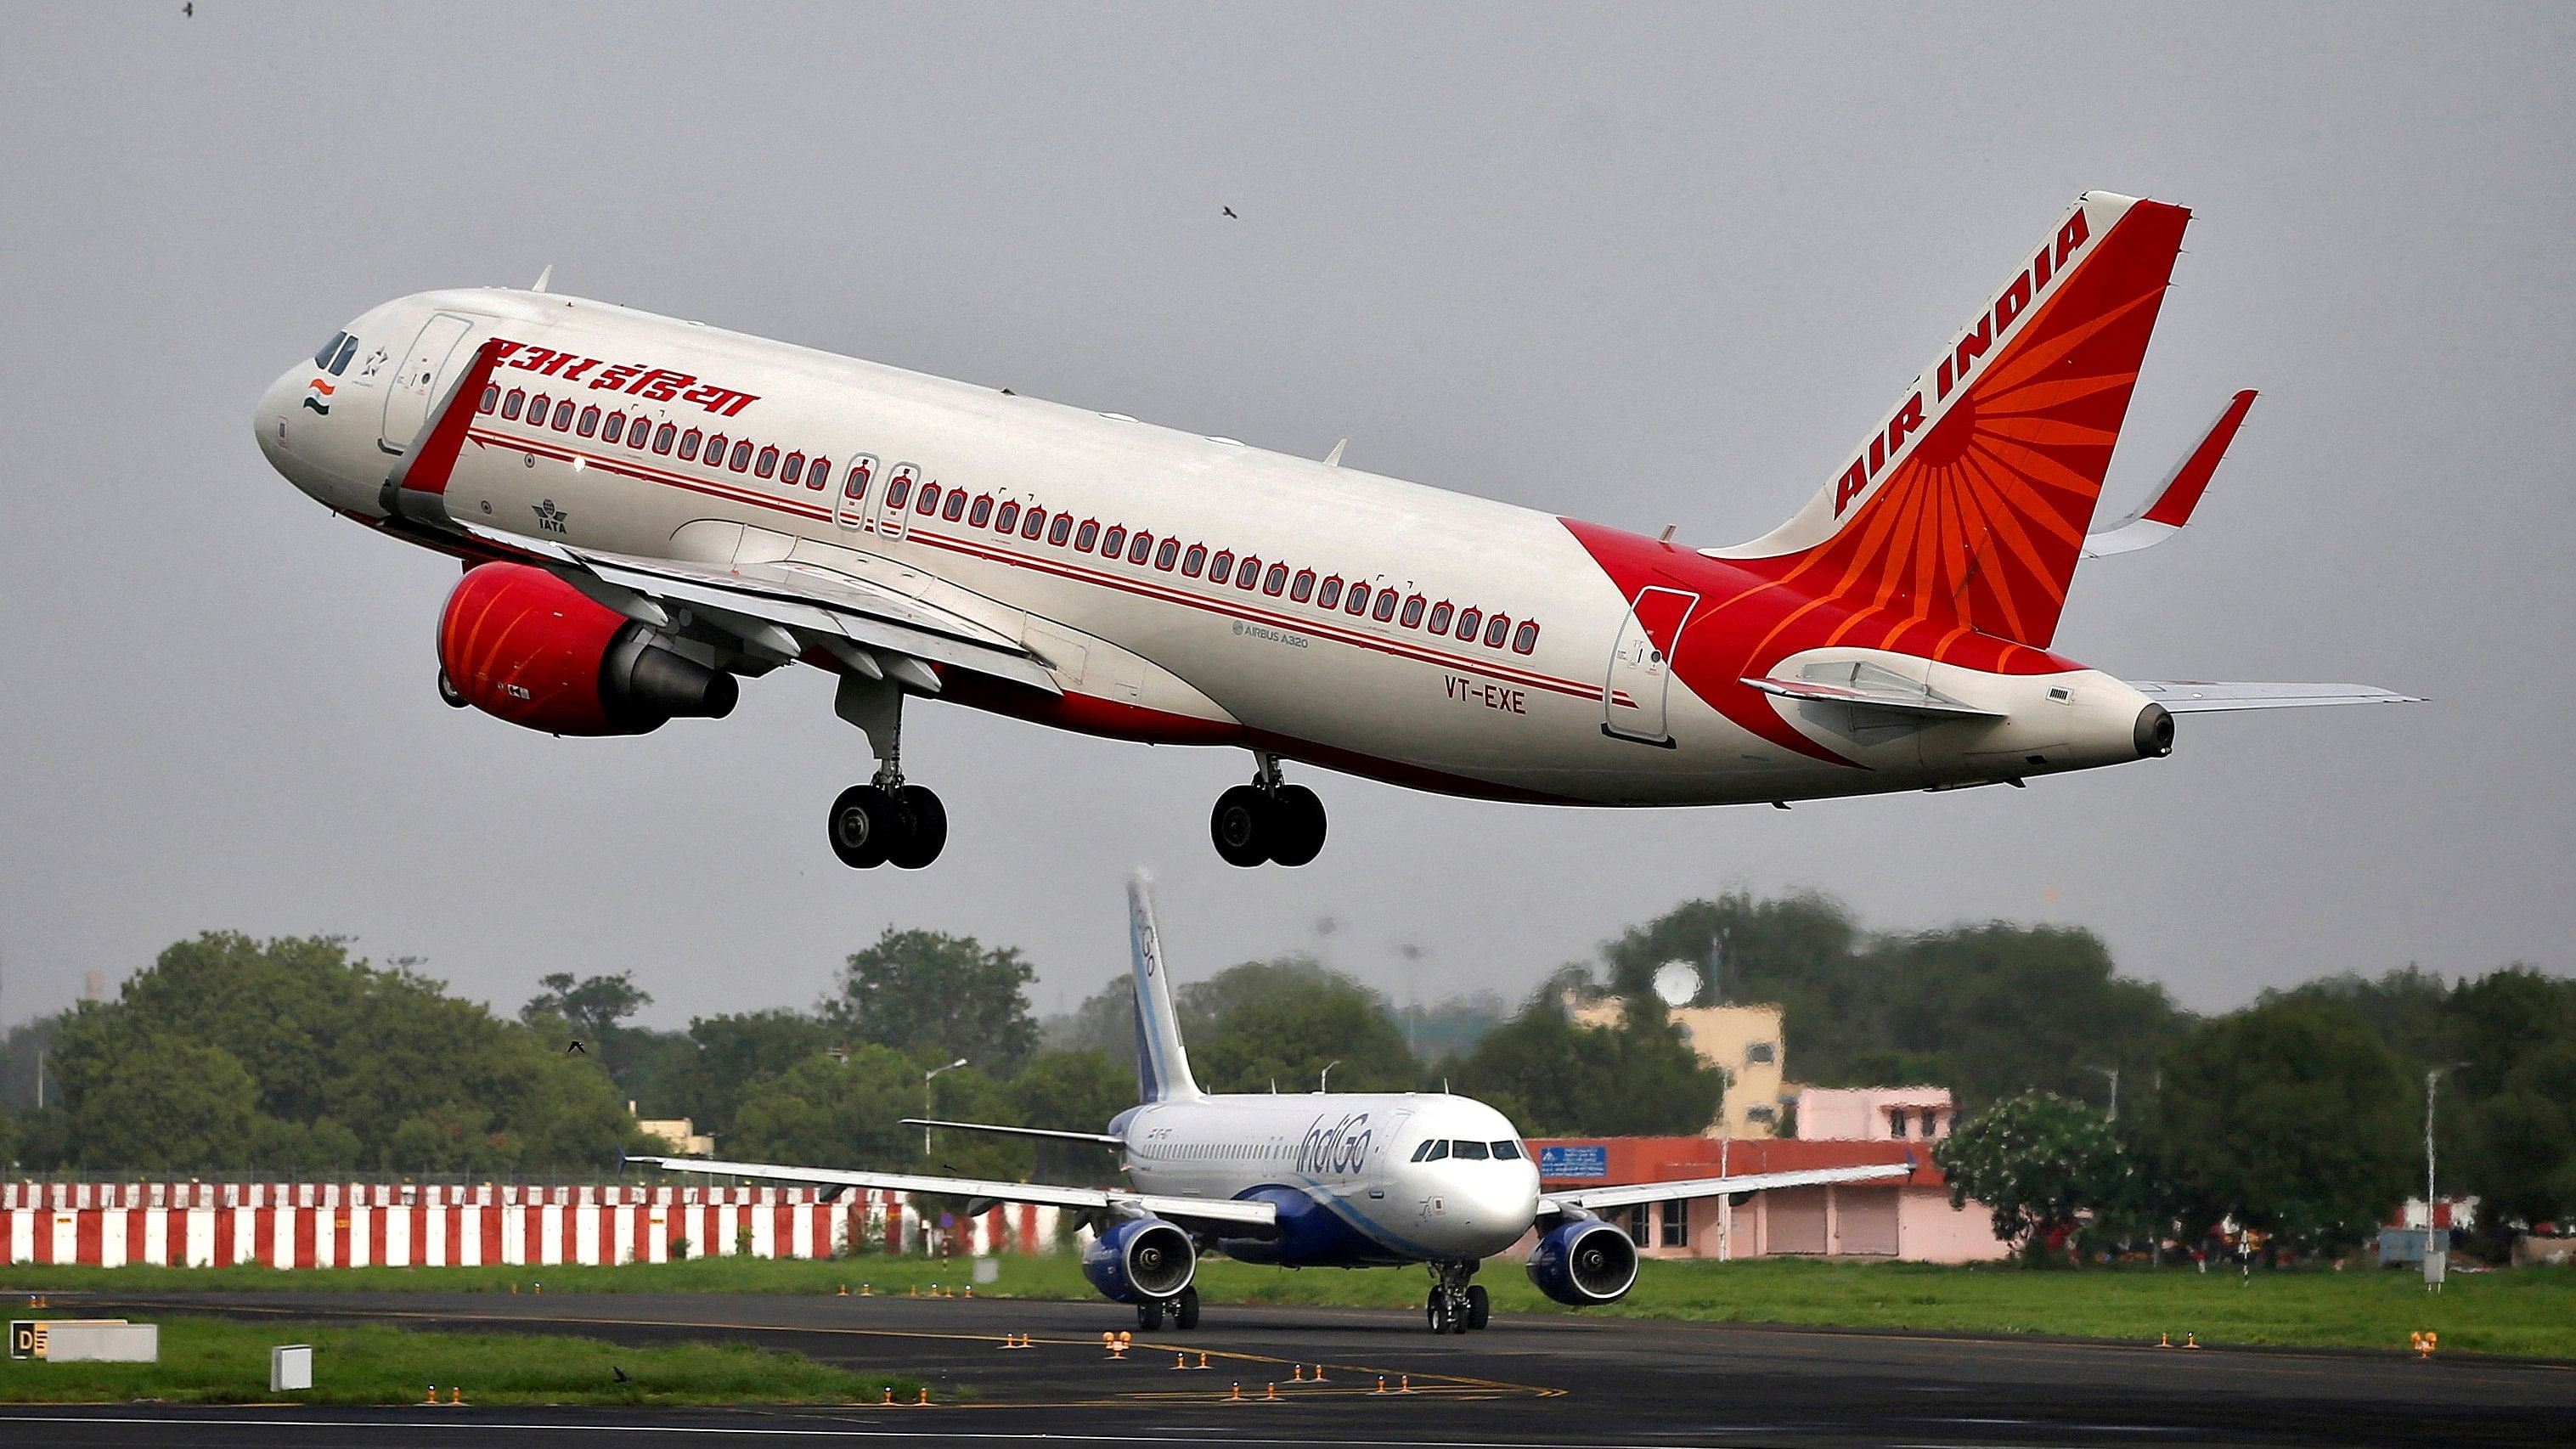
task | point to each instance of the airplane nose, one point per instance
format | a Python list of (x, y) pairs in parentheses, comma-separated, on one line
[(268, 420)]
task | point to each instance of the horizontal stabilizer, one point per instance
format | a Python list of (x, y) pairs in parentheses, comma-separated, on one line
[(2165, 514), (1917, 702), (2193, 696), (1558, 1204), (1049, 1134)]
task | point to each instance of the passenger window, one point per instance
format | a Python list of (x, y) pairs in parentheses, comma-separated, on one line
[(1141, 549), (510, 405), (1221, 567), (1060, 530), (956, 508), (537, 410), (1249, 574), (768, 463), (1036, 524), (589, 421), (1304, 588), (1171, 554), (1469, 1151), (792, 471), (1194, 560), (1089, 535), (716, 451), (1525, 639), (1115, 543), (1500, 626), (1440, 613), (741, 456), (662, 439), (1358, 603), (1507, 1150), (614, 429), (1009, 518), (563, 415), (856, 485), (1413, 611), (1277, 583), (898, 488), (491, 399), (820, 475), (1332, 593), (929, 502), (1439, 1151), (1385, 609), (1469, 621), (689, 444), (983, 513)]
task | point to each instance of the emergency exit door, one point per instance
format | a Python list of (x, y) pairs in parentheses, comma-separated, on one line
[(1641, 666)]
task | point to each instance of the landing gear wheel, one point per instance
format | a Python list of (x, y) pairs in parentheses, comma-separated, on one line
[(1240, 826), (448, 691), (864, 823), (1437, 1310), (1185, 1310), (1296, 826), (927, 820), (1480, 1308), (1149, 1315)]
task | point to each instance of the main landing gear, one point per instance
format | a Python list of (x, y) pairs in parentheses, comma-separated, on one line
[(1182, 1311), (885, 821), (1455, 1305), (1267, 820)]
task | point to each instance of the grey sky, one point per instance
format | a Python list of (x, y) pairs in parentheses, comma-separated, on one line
[(1640, 265)]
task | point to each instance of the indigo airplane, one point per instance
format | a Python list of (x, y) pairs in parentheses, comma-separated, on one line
[(1307, 1180), (649, 510)]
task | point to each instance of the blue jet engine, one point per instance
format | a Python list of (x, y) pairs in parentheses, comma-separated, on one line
[(1583, 1263), (1140, 1260)]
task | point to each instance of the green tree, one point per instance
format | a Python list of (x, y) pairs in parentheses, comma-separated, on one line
[(2511, 1101), (9, 1138), (833, 1113), (595, 1004), (1073, 1091), (1286, 1021), (1556, 1079), (2037, 1161), (1105, 1022), (731, 1054), (2289, 1116), (932, 992), (155, 1101)]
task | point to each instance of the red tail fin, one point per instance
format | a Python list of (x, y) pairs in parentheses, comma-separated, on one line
[(1968, 505)]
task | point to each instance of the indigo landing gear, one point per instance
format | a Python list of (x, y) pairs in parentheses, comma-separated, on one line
[(885, 821), (1183, 1312), (1267, 821), (1455, 1305)]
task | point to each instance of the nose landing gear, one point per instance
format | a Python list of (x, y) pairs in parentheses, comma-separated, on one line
[(1455, 1305), (884, 821), (1267, 820)]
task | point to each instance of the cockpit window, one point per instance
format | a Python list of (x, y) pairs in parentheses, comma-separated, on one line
[(340, 363), (1469, 1151), (1433, 1151), (322, 357), (1507, 1151)]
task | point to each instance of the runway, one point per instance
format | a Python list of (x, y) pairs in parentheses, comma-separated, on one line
[(1525, 1381)]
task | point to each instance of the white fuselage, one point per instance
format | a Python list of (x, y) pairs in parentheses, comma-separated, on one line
[(1144, 646), (1352, 1155)]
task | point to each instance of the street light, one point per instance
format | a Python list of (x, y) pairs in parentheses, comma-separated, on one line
[(2114, 1074), (2432, 1076), (925, 1099)]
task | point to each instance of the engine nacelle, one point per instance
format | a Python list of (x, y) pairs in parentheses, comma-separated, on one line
[(1140, 1260), (1583, 1263), (518, 643)]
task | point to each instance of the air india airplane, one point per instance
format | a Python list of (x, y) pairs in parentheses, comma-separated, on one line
[(1308, 1180), (649, 510)]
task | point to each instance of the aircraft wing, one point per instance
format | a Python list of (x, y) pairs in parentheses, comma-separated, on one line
[(787, 607), (1557, 1204), (1164, 1205), (2195, 696), (1048, 1134), (2165, 514)]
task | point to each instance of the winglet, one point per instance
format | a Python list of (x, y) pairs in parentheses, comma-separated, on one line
[(2171, 507), (544, 277), (1333, 459)]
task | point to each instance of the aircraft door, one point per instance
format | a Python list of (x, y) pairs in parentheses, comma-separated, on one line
[(1641, 665), (852, 511), (415, 385)]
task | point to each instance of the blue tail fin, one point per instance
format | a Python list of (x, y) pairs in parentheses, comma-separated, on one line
[(1162, 1067)]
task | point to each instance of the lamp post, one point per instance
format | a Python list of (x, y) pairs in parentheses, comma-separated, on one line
[(2114, 1074), (925, 1098)]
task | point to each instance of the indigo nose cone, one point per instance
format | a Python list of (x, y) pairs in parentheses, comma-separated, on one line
[(2155, 732)]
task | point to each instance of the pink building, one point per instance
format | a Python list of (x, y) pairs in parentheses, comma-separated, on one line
[(1909, 1218), (1875, 1114)]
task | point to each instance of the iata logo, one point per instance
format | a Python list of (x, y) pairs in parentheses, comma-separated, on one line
[(1964, 357)]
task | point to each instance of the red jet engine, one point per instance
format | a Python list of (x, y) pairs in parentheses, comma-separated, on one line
[(520, 643)]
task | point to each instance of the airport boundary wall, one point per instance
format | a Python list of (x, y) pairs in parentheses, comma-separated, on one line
[(351, 1225)]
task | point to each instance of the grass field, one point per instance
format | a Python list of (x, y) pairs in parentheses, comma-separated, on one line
[(215, 1361), (2530, 1311)]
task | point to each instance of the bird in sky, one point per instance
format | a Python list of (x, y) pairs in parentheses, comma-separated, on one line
[(1229, 211), (621, 1374), (189, 10), (575, 1050)]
